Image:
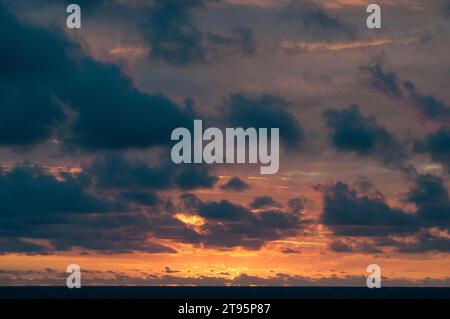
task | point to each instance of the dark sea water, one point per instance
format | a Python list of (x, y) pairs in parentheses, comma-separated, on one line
[(222, 293)]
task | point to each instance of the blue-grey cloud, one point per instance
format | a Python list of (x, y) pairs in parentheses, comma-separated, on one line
[(350, 131), (436, 144), (382, 81), (230, 225), (428, 105), (263, 111), (114, 171), (98, 94), (107, 112), (175, 38), (29, 192), (423, 243), (126, 214), (431, 199), (317, 22), (351, 214), (264, 202), (389, 83), (341, 246), (63, 210), (28, 110), (223, 210), (235, 184), (366, 223), (16, 245)]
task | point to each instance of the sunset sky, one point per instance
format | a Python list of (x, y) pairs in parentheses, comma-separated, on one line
[(86, 117)]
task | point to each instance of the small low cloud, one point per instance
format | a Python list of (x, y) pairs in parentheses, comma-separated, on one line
[(317, 22), (264, 202), (382, 81), (235, 184), (429, 106), (118, 278)]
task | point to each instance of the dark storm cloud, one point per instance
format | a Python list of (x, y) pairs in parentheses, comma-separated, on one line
[(235, 184), (109, 113), (423, 243), (350, 131), (347, 246), (264, 202), (62, 210), (189, 202), (359, 215), (14, 245), (106, 110), (263, 111), (382, 81), (428, 105), (134, 230), (227, 225), (22, 57), (437, 144), (112, 114), (38, 205), (27, 113), (230, 225), (351, 214), (32, 201), (389, 83), (340, 246), (175, 38), (194, 176), (114, 171), (223, 210), (106, 233), (107, 239), (431, 199), (31, 193), (253, 232), (317, 22), (27, 107)]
